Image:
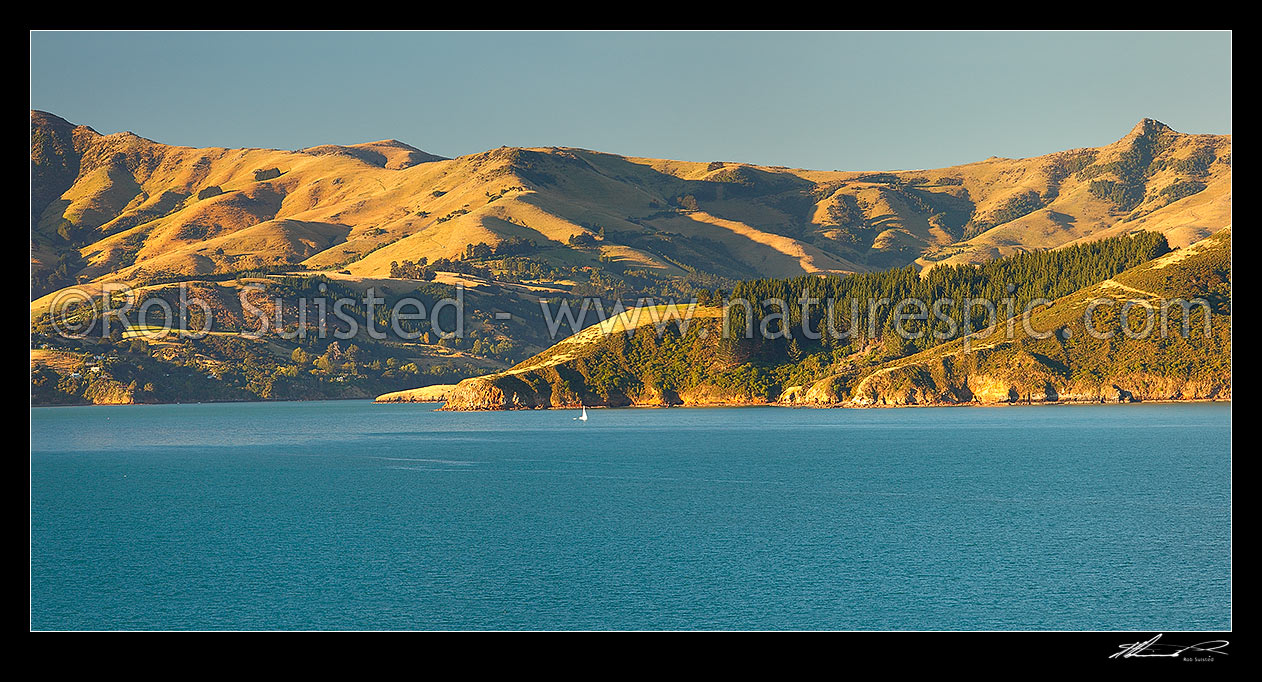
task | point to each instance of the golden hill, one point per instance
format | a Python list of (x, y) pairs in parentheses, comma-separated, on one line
[(546, 380), (1105, 342), (124, 208), (1167, 352), (1153, 179)]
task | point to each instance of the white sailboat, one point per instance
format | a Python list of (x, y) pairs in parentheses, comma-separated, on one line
[(582, 417)]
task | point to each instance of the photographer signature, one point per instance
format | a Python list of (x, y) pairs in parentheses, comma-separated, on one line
[(1152, 649)]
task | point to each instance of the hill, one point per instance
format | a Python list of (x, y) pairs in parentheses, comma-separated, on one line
[(124, 208), (1179, 358), (576, 371), (513, 226), (1053, 358)]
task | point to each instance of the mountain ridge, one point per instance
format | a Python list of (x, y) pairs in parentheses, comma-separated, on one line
[(120, 207)]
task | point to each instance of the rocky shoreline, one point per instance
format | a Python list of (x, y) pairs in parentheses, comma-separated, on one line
[(829, 406), (507, 392)]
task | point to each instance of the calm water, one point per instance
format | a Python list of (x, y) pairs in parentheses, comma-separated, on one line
[(355, 515)]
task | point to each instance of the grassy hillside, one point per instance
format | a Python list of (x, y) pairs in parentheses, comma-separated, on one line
[(1191, 361), (123, 208), (1153, 179), (519, 225), (630, 359), (647, 358)]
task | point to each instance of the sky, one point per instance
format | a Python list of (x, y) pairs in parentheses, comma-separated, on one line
[(817, 100)]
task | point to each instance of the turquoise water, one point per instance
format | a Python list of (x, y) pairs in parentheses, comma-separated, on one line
[(353, 515)]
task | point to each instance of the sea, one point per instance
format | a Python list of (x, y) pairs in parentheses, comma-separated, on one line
[(350, 515)]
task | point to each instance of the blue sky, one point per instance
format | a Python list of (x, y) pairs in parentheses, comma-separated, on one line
[(850, 101)]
